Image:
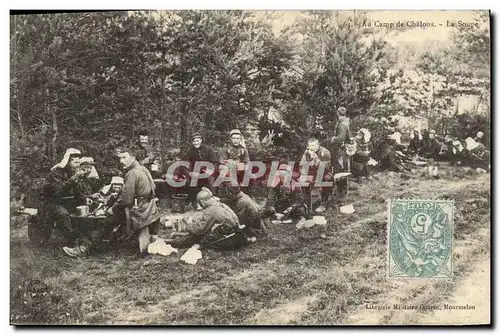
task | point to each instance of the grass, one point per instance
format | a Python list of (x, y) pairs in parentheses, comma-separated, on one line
[(309, 276)]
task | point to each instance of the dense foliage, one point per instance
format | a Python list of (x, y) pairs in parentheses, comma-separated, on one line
[(93, 80)]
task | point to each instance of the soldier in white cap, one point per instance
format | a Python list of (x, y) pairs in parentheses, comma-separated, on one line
[(66, 189)]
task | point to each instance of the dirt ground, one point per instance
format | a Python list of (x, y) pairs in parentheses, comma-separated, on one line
[(325, 275)]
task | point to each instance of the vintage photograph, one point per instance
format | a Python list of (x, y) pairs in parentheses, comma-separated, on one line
[(208, 167)]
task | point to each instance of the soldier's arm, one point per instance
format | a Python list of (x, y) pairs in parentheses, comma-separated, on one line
[(223, 155), (60, 185), (126, 198), (246, 157), (326, 158), (240, 211)]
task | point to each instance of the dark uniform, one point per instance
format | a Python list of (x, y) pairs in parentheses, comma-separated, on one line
[(360, 158), (339, 159), (202, 154), (150, 159), (415, 143), (217, 228), (62, 194), (282, 197), (236, 153), (138, 186), (324, 158), (247, 211)]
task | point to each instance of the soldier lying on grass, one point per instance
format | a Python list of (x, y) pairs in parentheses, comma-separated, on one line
[(218, 228)]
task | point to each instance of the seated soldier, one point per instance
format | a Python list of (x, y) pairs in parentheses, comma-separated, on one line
[(218, 228), (247, 211), (150, 157), (446, 152), (199, 152), (136, 206), (432, 146), (315, 157), (415, 142), (286, 197), (387, 157), (458, 153), (235, 154), (66, 189), (236, 150), (88, 165), (395, 141), (362, 156), (109, 194), (479, 137), (478, 156)]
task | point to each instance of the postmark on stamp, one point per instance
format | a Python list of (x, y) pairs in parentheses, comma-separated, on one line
[(420, 238)]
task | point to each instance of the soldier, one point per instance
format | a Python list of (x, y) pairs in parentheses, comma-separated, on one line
[(236, 150), (247, 211), (286, 197), (149, 157), (109, 194), (316, 156), (339, 160), (199, 152), (446, 152), (235, 154), (362, 156), (66, 189), (415, 142), (137, 198), (479, 137), (432, 146), (218, 228)]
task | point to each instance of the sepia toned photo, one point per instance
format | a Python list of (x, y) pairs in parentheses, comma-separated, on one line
[(207, 167)]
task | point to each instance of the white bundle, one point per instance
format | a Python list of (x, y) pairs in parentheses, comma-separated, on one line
[(192, 255), (347, 209), (161, 248)]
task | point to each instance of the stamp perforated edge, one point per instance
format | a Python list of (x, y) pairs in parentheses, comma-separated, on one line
[(388, 254)]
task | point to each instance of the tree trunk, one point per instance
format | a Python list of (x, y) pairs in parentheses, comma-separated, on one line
[(55, 133), (183, 123)]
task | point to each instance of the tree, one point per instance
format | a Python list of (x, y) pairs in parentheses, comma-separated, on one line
[(340, 65)]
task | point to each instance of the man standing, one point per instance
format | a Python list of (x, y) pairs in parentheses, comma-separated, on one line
[(342, 136), (317, 157), (136, 203), (199, 152), (218, 227)]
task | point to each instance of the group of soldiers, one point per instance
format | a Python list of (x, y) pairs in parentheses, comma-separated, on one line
[(389, 153), (230, 217)]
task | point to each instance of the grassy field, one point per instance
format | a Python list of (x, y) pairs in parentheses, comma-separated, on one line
[(318, 276)]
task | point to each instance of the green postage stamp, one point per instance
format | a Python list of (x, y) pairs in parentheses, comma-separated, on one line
[(420, 238)]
